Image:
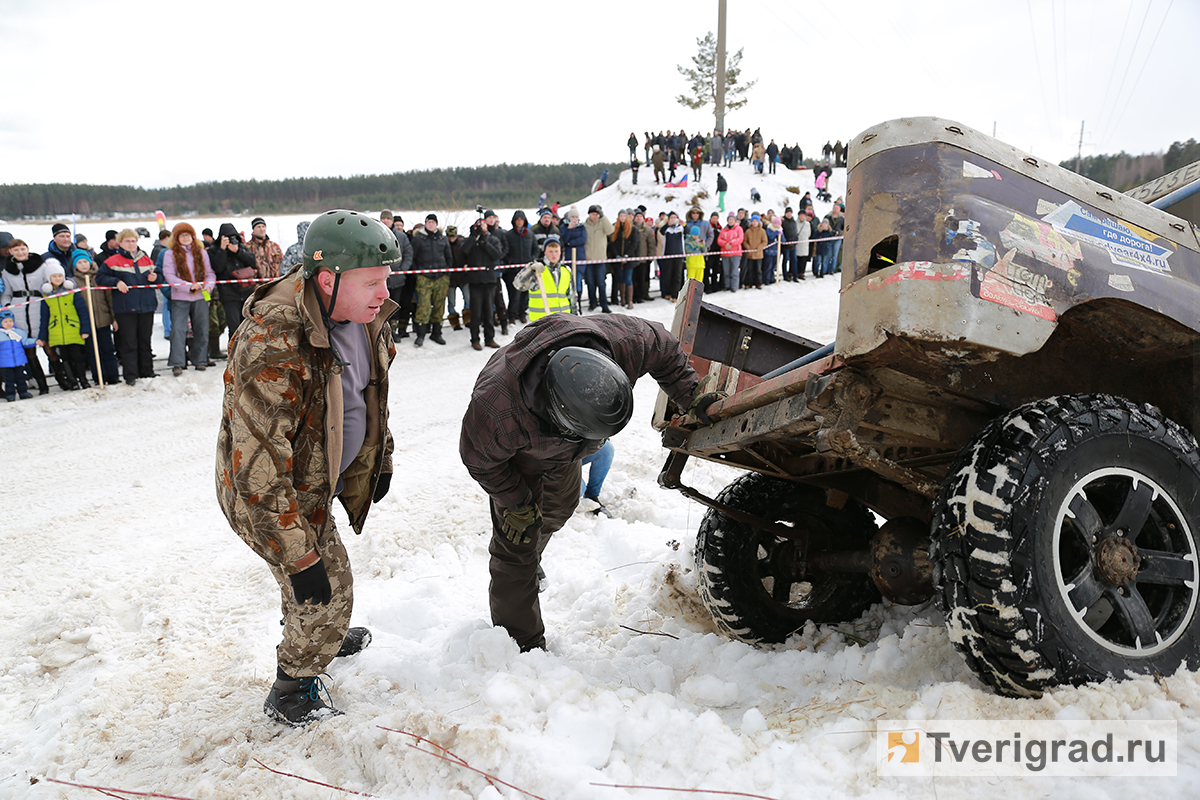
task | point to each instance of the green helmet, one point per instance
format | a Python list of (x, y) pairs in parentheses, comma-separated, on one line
[(343, 240)]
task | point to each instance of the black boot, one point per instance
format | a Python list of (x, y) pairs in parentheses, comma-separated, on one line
[(420, 340), (436, 334), (356, 641), (296, 701)]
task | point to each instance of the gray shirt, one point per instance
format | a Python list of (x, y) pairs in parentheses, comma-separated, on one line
[(351, 341)]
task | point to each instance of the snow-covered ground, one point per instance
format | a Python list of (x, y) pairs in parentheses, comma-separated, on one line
[(138, 631)]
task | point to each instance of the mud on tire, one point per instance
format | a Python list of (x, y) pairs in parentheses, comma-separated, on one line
[(1065, 545), (748, 577)]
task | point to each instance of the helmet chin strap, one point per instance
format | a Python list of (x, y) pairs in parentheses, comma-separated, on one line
[(327, 318)]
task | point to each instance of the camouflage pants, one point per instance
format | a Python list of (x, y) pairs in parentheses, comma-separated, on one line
[(431, 299), (312, 634)]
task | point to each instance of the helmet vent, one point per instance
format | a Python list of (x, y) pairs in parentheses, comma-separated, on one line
[(362, 222), (382, 248), (340, 221)]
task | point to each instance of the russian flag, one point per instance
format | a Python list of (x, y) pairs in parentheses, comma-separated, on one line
[(679, 184)]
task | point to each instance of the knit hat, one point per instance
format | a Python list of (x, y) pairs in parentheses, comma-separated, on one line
[(206, 232), (595, 208), (58, 228), (546, 213), (755, 217), (78, 254), (257, 220), (431, 217), (5, 238), (54, 268), (731, 215), (489, 213), (79, 237), (7, 314)]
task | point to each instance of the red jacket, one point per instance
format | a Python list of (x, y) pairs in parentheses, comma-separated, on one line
[(730, 240)]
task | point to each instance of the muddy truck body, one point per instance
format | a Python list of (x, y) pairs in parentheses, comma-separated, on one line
[(1011, 391)]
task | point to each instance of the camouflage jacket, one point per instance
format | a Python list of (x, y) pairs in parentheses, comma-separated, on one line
[(267, 256), (280, 442)]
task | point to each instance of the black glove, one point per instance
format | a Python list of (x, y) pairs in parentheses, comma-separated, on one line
[(519, 523), (381, 486), (699, 406), (312, 584)]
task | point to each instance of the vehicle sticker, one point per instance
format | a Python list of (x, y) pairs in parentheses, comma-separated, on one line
[(919, 271), (1041, 242), (1015, 286), (1121, 283), (975, 171), (1125, 246), (984, 252)]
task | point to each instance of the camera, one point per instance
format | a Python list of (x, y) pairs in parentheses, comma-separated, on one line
[(478, 209)]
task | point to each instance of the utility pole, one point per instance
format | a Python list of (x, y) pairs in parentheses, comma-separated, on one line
[(719, 106), (1079, 154)]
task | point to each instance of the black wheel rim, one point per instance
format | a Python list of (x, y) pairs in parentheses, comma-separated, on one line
[(1125, 562), (780, 568)]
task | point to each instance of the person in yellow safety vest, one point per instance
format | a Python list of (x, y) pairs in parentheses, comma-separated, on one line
[(549, 283)]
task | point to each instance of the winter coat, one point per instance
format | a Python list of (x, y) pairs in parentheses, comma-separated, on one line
[(458, 259), (772, 250), (22, 283), (837, 225), (52, 252), (431, 251), (397, 278), (280, 443), (791, 232), (804, 234), (504, 439), (730, 239), (134, 270), (574, 241), (224, 263), (64, 315), (551, 290), (522, 244), (267, 256), (540, 232), (820, 242), (13, 342), (706, 230), (648, 245), (179, 288), (101, 299), (722, 184), (627, 246), (597, 237), (755, 241), (484, 247), (672, 239), (295, 254)]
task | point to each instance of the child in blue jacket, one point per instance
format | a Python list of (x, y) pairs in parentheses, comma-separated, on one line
[(13, 342)]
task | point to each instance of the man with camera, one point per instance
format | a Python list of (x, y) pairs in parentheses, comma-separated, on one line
[(234, 266), (485, 247)]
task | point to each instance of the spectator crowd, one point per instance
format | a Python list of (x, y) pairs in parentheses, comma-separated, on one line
[(464, 280)]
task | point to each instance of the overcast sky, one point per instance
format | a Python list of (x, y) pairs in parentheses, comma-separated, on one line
[(165, 93)]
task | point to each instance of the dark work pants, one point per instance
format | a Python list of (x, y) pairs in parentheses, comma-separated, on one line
[(513, 592), (34, 369), (133, 344), (483, 295)]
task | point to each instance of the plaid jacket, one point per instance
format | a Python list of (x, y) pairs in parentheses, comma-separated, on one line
[(501, 439)]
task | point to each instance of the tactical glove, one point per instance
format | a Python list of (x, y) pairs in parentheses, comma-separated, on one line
[(699, 406), (520, 523), (312, 584), (381, 486)]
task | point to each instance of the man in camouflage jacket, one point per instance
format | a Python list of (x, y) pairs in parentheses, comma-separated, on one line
[(304, 384), (268, 258)]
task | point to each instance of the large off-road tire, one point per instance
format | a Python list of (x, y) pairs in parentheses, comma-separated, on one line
[(754, 583), (1065, 545)]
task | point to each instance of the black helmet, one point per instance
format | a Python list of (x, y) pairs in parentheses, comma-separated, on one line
[(589, 396)]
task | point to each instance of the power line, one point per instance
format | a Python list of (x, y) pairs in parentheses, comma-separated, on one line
[(1113, 71), (1138, 80), (1132, 52)]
